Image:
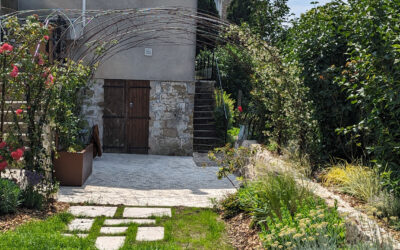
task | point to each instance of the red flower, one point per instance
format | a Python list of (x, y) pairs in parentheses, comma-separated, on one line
[(3, 144), (3, 165), (17, 154), (46, 38), (14, 72), (19, 111), (240, 109), (6, 47)]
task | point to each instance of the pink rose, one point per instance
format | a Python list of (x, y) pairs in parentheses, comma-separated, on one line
[(19, 111), (17, 154), (6, 47), (3, 165), (3, 144), (240, 109), (46, 38), (14, 72)]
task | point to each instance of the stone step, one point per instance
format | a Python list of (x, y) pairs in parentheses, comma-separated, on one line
[(77, 235), (113, 230), (114, 222), (206, 140), (203, 120), (92, 211), (199, 114), (204, 108), (203, 102), (150, 233), (144, 212), (80, 225), (204, 148), (203, 95), (209, 126), (205, 133), (110, 242)]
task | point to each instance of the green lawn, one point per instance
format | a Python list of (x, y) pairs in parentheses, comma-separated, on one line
[(189, 228)]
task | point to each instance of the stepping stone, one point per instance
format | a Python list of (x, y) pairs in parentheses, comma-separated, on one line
[(145, 212), (113, 222), (92, 211), (80, 225), (113, 230), (78, 235), (150, 233), (110, 242)]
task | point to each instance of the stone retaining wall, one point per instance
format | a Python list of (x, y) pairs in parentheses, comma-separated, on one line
[(359, 225)]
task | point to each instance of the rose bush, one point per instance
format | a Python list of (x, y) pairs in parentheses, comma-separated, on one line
[(34, 101)]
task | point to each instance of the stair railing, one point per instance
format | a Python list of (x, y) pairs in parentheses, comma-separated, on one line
[(207, 69), (223, 101)]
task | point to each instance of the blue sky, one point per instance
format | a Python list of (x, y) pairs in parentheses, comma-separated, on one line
[(301, 6)]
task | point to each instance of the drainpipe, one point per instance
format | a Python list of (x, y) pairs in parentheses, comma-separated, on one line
[(84, 12)]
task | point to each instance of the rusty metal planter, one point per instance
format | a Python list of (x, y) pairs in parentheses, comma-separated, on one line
[(73, 169)]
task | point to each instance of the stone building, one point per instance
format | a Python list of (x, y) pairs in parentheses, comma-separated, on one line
[(142, 99)]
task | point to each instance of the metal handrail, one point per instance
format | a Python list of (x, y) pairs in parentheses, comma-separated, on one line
[(221, 89)]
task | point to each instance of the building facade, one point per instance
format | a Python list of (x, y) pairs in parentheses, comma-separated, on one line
[(142, 99)]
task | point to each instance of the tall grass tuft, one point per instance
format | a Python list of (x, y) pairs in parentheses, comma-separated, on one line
[(361, 182)]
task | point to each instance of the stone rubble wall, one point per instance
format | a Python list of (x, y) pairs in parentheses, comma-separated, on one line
[(93, 105), (171, 113)]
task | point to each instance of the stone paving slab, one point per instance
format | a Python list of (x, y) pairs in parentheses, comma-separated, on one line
[(110, 242), (150, 233), (113, 230), (78, 235), (148, 180), (112, 222), (80, 225), (145, 212), (92, 211)]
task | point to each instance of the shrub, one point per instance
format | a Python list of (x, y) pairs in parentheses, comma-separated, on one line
[(9, 196), (224, 123), (265, 198), (288, 214), (358, 181), (31, 198), (231, 160), (230, 206), (313, 226)]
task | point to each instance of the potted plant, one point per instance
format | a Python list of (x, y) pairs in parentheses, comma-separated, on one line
[(73, 159), (73, 164)]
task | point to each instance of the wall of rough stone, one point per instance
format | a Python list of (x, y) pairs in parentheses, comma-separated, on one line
[(93, 104), (171, 113)]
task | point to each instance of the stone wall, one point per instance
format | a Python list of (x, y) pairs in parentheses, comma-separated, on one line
[(171, 113), (93, 104)]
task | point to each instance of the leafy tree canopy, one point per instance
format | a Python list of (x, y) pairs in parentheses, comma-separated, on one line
[(265, 17)]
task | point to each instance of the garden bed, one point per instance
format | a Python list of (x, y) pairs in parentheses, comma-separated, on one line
[(240, 233), (24, 215)]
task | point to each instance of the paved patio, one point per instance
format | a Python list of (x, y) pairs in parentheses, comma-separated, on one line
[(148, 180)]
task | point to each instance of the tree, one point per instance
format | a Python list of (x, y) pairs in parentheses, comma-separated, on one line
[(264, 17)]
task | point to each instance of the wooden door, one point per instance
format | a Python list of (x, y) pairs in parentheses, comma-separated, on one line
[(126, 116)]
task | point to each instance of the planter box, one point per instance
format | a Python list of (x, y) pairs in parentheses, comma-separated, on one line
[(73, 169)]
